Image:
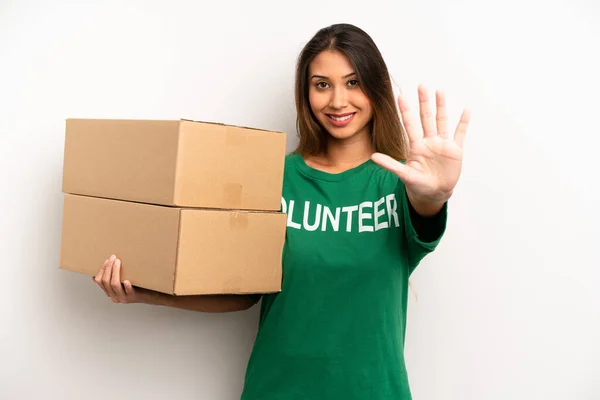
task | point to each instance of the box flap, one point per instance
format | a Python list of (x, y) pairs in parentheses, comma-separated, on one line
[(121, 159), (230, 252), (143, 236), (221, 166)]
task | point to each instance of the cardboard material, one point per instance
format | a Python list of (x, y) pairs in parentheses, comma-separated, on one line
[(174, 250), (177, 163)]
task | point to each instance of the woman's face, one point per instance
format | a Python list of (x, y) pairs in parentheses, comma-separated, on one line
[(336, 97)]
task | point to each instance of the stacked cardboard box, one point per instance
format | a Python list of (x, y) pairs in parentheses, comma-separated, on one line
[(189, 207)]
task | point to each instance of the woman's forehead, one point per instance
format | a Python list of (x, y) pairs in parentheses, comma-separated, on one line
[(331, 64)]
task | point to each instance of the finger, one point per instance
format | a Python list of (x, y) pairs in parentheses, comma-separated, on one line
[(461, 128), (115, 281), (441, 118), (106, 278), (407, 120), (404, 173), (129, 290), (98, 277), (425, 112)]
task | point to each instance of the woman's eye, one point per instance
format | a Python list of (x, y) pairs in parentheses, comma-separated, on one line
[(353, 82), (322, 85)]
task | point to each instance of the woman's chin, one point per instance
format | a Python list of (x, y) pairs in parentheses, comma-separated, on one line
[(343, 133)]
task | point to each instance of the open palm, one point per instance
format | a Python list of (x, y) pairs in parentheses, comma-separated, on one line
[(434, 161)]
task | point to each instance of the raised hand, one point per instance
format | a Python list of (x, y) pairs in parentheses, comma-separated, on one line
[(434, 161)]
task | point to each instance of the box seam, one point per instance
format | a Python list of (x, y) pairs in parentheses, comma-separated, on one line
[(234, 126), (177, 250), (176, 189)]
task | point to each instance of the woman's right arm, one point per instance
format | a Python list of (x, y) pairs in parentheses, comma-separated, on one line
[(109, 280)]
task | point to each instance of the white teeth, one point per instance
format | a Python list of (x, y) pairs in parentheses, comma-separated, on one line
[(347, 117)]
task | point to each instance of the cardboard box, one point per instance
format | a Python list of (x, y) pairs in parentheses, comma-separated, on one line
[(178, 163), (174, 250)]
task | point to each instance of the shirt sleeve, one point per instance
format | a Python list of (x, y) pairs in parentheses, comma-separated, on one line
[(423, 234)]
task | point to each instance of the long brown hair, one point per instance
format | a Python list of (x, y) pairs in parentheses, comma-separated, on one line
[(387, 134)]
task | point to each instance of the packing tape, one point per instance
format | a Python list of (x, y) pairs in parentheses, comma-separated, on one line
[(232, 194), (238, 220)]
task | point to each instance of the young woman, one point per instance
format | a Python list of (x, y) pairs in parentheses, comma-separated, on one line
[(366, 200)]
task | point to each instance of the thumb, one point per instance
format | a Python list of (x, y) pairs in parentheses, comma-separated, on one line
[(128, 288), (392, 165)]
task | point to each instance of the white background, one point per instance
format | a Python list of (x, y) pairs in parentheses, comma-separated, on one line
[(507, 308)]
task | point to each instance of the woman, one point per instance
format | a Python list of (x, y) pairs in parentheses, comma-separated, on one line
[(359, 222)]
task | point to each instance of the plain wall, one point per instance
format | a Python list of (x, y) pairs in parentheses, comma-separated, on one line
[(508, 307)]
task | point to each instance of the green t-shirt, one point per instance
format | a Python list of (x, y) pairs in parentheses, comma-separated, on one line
[(336, 330)]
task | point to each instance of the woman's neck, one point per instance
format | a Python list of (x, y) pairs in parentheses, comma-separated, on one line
[(342, 155)]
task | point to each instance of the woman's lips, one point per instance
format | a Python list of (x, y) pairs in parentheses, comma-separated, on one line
[(340, 120)]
